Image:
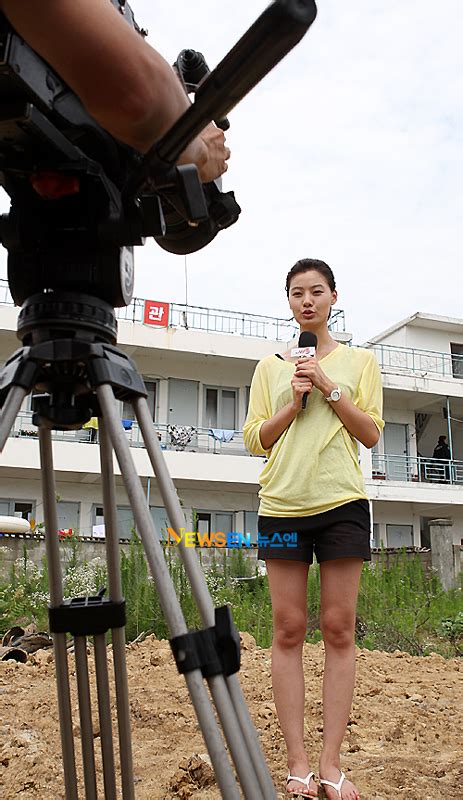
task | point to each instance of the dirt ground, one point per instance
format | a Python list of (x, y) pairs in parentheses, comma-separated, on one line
[(404, 736)]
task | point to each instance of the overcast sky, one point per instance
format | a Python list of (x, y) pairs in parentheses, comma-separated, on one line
[(349, 151)]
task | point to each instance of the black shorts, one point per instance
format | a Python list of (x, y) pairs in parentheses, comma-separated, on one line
[(342, 532)]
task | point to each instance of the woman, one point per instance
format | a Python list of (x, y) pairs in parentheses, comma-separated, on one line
[(312, 484)]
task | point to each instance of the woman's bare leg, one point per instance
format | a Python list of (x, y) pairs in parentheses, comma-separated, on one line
[(339, 591), (288, 590)]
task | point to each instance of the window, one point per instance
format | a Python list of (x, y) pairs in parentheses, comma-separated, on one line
[(183, 402), (98, 516), (98, 529), (152, 389), (161, 522), (17, 508), (457, 359), (399, 535), (214, 521), (125, 522), (396, 451), (220, 408), (68, 515), (250, 525)]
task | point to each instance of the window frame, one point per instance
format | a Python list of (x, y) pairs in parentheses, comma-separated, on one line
[(399, 525), (457, 360), (213, 519), (219, 390), (12, 501)]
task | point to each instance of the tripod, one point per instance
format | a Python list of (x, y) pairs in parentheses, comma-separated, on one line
[(70, 352), (80, 202)]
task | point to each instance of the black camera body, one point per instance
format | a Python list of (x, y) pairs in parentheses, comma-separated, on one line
[(71, 225), (80, 200)]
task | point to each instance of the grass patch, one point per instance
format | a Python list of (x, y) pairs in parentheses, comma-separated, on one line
[(401, 607)]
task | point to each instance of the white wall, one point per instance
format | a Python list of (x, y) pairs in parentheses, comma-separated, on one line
[(396, 514), (424, 337), (432, 338), (88, 495), (410, 514)]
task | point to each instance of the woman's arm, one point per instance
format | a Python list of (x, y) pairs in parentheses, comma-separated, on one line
[(357, 422), (123, 83), (272, 428)]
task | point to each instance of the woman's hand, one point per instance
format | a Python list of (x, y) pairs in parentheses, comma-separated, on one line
[(310, 370), (300, 384)]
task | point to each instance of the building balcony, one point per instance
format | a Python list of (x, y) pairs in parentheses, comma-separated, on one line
[(172, 437), (419, 469), (422, 363), (195, 439)]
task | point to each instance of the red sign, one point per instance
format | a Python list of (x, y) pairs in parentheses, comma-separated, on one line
[(156, 313)]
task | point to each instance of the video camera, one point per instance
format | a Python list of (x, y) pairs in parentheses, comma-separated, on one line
[(80, 200)]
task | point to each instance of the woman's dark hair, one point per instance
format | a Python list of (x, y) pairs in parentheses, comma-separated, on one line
[(306, 264)]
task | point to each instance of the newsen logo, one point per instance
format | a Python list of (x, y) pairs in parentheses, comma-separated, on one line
[(233, 539), (219, 539)]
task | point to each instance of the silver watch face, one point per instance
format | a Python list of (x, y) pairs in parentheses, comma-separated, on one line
[(335, 395)]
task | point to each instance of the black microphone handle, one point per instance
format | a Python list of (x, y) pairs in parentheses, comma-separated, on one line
[(304, 400), (278, 29)]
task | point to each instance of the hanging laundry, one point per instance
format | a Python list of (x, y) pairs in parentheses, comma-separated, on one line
[(181, 435), (221, 434)]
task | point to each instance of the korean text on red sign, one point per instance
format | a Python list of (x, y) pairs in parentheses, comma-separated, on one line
[(156, 313)]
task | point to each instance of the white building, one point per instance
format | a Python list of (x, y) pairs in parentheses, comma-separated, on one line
[(198, 372), (421, 360)]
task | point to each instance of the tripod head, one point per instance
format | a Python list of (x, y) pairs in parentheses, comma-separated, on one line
[(82, 200)]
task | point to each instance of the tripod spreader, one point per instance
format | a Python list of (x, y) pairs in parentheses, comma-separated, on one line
[(86, 616), (215, 651)]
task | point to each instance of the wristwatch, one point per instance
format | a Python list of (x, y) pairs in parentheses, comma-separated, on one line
[(335, 395)]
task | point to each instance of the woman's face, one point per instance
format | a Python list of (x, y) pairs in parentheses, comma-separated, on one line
[(310, 299)]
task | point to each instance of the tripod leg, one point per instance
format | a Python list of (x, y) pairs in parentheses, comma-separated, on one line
[(104, 712), (56, 596), (242, 738), (85, 712), (168, 599), (10, 411), (115, 593)]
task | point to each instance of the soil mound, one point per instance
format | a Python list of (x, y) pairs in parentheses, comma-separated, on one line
[(404, 736)]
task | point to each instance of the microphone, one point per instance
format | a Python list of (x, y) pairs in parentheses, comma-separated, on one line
[(306, 347)]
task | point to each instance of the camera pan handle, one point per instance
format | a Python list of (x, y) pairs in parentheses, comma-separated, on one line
[(279, 28)]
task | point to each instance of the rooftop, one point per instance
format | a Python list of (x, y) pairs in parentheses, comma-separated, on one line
[(421, 320)]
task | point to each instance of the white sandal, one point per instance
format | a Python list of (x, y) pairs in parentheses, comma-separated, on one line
[(305, 781), (336, 786)]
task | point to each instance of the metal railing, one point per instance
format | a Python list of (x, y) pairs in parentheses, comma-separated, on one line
[(212, 320), (194, 439), (217, 320), (391, 358), (408, 468), (411, 361)]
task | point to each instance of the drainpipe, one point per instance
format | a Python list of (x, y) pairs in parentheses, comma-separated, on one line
[(148, 492)]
